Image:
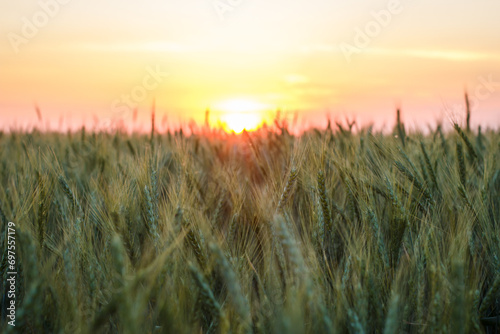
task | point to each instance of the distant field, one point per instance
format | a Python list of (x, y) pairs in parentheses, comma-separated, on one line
[(264, 232)]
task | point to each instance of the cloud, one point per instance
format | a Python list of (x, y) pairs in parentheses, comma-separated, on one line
[(152, 46), (296, 79), (316, 48), (454, 55)]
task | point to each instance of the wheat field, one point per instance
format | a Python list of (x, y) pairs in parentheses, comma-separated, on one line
[(332, 231)]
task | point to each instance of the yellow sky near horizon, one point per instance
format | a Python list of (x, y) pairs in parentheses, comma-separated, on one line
[(80, 59)]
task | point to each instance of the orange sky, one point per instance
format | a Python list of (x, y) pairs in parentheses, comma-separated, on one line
[(79, 60)]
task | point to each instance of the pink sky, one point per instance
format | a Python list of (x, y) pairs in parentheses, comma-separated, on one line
[(82, 60)]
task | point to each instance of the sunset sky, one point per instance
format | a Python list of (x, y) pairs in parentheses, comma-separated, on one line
[(78, 60)]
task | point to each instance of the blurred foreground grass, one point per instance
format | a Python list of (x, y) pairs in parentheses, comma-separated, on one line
[(265, 232)]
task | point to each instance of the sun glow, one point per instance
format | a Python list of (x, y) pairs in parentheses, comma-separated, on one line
[(238, 122), (241, 114)]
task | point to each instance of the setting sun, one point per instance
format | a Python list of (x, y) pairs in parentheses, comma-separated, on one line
[(240, 114), (238, 122)]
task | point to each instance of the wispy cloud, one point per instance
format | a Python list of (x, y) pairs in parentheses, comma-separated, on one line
[(316, 48), (152, 46), (296, 79), (454, 55)]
